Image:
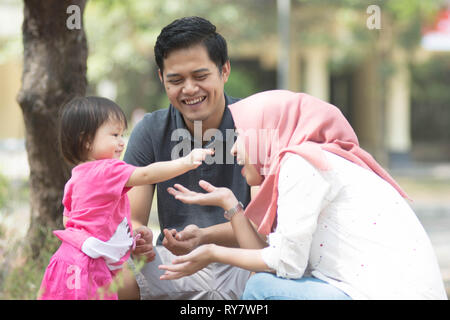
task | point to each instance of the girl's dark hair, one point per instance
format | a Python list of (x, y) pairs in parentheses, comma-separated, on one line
[(79, 121), (187, 32)]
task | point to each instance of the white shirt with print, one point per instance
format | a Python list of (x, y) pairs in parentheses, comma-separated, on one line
[(352, 229)]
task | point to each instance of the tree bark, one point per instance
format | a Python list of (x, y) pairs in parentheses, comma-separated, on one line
[(54, 71)]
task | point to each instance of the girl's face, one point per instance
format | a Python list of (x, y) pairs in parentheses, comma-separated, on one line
[(249, 172), (108, 141)]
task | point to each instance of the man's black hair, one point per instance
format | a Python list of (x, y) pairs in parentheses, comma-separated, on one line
[(187, 32)]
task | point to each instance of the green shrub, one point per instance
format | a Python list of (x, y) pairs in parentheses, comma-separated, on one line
[(22, 282), (4, 191)]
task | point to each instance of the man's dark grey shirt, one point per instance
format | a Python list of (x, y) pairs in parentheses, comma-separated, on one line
[(160, 134)]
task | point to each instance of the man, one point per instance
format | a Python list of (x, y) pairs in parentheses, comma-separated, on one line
[(193, 67)]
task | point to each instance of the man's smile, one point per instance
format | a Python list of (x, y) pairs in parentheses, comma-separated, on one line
[(193, 101)]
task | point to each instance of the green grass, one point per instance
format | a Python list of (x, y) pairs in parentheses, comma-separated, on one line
[(21, 276)]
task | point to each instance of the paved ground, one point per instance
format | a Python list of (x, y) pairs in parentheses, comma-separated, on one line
[(436, 222), (429, 187)]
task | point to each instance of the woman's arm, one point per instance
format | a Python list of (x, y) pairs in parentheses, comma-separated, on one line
[(165, 170), (302, 191), (244, 232), (249, 259), (223, 234)]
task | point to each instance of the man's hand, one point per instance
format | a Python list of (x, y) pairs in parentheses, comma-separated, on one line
[(183, 242), (144, 245)]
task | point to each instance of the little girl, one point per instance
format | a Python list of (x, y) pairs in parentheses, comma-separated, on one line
[(98, 235)]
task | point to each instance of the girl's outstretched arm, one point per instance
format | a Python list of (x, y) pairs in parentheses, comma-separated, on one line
[(165, 170)]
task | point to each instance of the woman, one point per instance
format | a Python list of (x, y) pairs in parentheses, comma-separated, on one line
[(337, 224)]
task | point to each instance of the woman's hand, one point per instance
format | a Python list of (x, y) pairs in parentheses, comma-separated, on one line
[(189, 264), (202, 256), (220, 197)]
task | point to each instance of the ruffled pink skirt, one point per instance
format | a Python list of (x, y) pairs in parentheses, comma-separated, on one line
[(72, 275)]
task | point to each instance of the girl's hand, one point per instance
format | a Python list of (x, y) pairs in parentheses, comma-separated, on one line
[(144, 244), (197, 156), (220, 197), (189, 264)]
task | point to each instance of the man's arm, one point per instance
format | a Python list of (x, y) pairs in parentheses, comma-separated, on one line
[(141, 199), (220, 234), (183, 242)]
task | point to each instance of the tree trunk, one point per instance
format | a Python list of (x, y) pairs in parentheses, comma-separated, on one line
[(54, 71)]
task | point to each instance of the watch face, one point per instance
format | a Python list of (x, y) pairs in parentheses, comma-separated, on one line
[(230, 213)]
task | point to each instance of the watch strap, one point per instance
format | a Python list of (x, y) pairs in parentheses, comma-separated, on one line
[(228, 214)]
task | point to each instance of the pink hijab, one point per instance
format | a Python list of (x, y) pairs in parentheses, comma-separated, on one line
[(279, 121)]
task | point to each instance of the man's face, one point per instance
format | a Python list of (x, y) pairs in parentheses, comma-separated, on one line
[(194, 85)]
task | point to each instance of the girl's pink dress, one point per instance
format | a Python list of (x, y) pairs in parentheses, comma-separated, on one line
[(98, 234)]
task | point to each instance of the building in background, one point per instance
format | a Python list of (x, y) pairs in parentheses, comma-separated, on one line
[(11, 122), (374, 84)]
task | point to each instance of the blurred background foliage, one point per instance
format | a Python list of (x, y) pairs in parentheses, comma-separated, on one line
[(121, 36), (4, 191), (430, 100)]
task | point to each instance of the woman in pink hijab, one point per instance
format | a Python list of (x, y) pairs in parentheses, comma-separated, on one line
[(328, 222)]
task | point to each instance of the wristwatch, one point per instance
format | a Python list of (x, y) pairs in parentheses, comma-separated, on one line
[(228, 214)]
